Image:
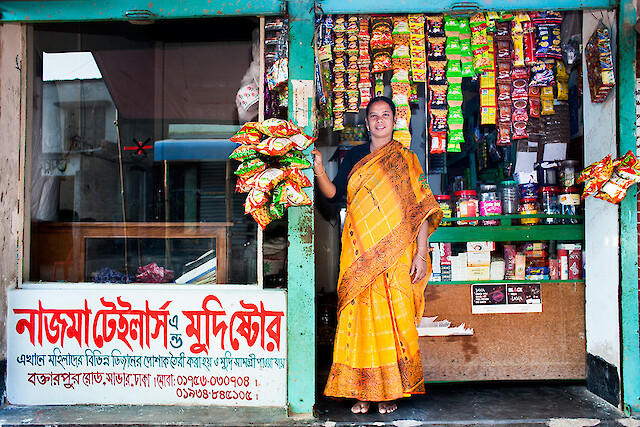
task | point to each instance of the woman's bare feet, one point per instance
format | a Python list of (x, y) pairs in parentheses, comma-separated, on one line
[(386, 407), (360, 407)]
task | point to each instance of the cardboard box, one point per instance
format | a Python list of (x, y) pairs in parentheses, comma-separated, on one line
[(520, 266), (481, 246), (478, 273), (478, 259)]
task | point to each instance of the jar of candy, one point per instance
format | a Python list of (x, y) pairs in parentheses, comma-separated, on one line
[(568, 173), (466, 206), (529, 206), (551, 204), (489, 203), (444, 200), (509, 197), (570, 204)]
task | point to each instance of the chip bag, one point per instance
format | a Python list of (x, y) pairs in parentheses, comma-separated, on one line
[(296, 175), (595, 175), (294, 159), (277, 127), (274, 146), (250, 167), (255, 200), (295, 195), (243, 152), (266, 180)]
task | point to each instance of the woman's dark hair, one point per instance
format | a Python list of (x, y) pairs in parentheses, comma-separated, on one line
[(385, 99)]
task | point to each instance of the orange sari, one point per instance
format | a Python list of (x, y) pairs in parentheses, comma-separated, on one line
[(376, 353)]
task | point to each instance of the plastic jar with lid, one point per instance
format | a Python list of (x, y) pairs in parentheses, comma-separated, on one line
[(466, 206), (509, 197), (529, 206), (568, 173), (570, 204), (489, 203), (550, 204), (444, 200)]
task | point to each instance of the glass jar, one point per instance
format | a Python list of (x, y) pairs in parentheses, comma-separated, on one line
[(568, 173), (551, 204), (489, 203), (444, 200), (466, 206), (509, 197), (570, 204), (529, 206)]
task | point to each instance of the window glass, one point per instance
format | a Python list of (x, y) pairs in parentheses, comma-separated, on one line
[(130, 176)]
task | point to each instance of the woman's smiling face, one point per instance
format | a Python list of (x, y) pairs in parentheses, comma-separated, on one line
[(380, 121)]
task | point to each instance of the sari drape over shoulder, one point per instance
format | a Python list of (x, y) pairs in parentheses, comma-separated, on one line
[(376, 353)]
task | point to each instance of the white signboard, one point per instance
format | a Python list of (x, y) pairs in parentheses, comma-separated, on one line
[(192, 345)]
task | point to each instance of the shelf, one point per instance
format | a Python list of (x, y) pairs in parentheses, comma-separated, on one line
[(507, 232), (473, 282)]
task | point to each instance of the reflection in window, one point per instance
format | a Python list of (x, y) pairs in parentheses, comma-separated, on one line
[(130, 150)]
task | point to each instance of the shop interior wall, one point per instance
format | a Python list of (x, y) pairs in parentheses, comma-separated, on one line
[(602, 244), (12, 70)]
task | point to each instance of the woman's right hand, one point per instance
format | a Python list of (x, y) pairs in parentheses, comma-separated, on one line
[(318, 167)]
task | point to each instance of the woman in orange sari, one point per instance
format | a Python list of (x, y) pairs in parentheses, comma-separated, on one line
[(384, 266)]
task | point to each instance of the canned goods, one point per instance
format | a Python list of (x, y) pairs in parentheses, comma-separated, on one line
[(444, 200)]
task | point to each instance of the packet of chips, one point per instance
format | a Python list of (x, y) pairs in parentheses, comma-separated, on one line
[(595, 175), (296, 175), (294, 159), (255, 200), (243, 152), (248, 134), (295, 195), (277, 127), (241, 185), (267, 179), (250, 167), (262, 216), (274, 146)]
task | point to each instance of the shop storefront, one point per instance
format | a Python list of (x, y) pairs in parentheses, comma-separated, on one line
[(141, 280)]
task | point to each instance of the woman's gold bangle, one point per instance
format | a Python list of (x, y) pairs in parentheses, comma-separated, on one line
[(319, 174), (421, 257)]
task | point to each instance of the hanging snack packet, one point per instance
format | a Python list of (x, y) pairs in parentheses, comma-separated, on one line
[(255, 200), (296, 175), (294, 159), (250, 167), (454, 95), (435, 26), (266, 180), (248, 134), (243, 152), (295, 195), (277, 127), (262, 216), (274, 146), (595, 175), (455, 119)]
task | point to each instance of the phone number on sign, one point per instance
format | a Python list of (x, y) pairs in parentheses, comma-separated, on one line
[(203, 393), (201, 380)]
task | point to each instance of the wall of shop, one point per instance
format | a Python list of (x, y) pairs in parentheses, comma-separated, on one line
[(12, 70), (601, 238)]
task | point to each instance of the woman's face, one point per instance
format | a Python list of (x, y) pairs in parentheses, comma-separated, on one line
[(380, 121)]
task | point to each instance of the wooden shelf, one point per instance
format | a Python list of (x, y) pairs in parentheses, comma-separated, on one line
[(472, 282)]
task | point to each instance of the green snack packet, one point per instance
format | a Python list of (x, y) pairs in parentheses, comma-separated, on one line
[(295, 159), (467, 69), (250, 167), (243, 152), (456, 137), (455, 116)]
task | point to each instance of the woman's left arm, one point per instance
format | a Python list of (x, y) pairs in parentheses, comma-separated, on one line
[(419, 264)]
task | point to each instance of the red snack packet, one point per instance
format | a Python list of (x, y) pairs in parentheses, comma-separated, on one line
[(274, 146), (595, 175), (277, 127), (296, 175), (266, 180), (249, 136)]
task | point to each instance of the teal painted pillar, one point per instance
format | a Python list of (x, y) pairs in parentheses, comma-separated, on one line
[(301, 307), (628, 210)]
